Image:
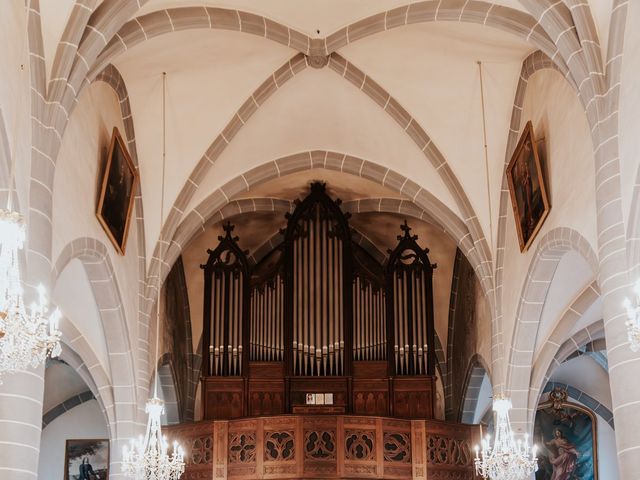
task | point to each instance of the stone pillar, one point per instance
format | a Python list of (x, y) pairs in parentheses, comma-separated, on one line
[(613, 277), (20, 424)]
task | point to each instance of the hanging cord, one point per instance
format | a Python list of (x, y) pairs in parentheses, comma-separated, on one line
[(486, 157), (164, 156), (14, 145), (486, 168)]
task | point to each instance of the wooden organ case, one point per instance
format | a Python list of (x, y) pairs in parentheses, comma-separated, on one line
[(318, 318)]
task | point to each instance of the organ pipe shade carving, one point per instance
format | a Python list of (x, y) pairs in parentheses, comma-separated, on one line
[(225, 309), (410, 305)]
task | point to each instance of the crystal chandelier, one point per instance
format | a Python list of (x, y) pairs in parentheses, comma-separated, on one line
[(508, 459), (27, 337), (633, 319), (148, 458)]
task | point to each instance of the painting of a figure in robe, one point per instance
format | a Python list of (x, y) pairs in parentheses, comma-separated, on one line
[(566, 438), (117, 194), (527, 187)]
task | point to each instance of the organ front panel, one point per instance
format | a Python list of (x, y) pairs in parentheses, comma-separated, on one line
[(318, 325)]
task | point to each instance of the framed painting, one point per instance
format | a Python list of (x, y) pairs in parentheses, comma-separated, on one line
[(566, 437), (527, 187), (86, 459), (117, 193)]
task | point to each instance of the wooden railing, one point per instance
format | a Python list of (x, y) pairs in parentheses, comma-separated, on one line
[(327, 446)]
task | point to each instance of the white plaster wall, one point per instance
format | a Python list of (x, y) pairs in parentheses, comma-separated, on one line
[(84, 421), (567, 283), (78, 172), (629, 108), (15, 103), (209, 76), (586, 375), (557, 116), (61, 382), (607, 452), (322, 111), (446, 99), (71, 286)]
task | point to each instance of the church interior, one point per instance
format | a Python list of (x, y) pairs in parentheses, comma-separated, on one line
[(320, 239)]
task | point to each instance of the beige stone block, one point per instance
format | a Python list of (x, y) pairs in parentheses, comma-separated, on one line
[(188, 18), (398, 113), (252, 23), (336, 40), (224, 19), (366, 27), (277, 32)]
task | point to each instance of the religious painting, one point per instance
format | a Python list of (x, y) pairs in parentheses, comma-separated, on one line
[(565, 434), (86, 459), (527, 187), (119, 183)]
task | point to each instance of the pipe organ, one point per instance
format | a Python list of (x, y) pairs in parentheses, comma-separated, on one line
[(318, 325)]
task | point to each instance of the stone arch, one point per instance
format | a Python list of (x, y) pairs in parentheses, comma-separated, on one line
[(196, 219), (550, 250), (535, 62), (161, 22), (476, 372), (553, 348), (599, 409), (63, 407), (112, 77), (77, 352), (97, 264)]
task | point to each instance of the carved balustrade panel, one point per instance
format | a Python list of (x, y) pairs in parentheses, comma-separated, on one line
[(327, 446)]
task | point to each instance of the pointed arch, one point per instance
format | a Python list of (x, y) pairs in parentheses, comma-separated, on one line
[(94, 256), (550, 250)]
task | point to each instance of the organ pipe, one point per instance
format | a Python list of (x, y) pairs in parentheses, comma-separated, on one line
[(320, 304)]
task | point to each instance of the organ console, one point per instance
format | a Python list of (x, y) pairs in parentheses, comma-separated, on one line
[(318, 315)]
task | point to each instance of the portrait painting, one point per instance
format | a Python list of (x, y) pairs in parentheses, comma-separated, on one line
[(565, 434), (86, 459), (527, 187), (118, 190)]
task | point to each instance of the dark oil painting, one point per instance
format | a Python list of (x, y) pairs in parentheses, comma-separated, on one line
[(119, 182), (527, 187), (566, 437), (86, 459)]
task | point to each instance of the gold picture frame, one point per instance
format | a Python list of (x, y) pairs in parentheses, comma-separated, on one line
[(117, 193), (95, 450), (527, 188), (558, 403)]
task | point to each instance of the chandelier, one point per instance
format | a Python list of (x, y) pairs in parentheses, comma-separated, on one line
[(27, 337), (633, 319), (148, 458), (508, 459)]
